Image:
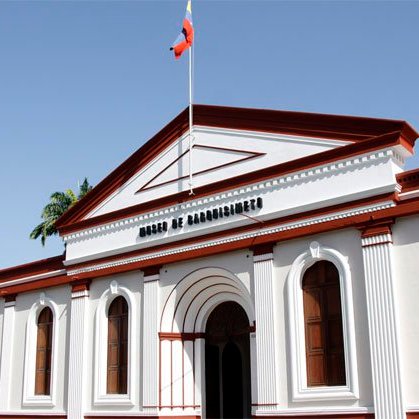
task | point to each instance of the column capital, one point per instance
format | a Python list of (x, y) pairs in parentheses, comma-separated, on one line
[(376, 228), (152, 273), (376, 233), (10, 299), (262, 252), (80, 288)]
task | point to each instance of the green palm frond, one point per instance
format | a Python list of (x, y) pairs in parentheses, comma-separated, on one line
[(59, 203)]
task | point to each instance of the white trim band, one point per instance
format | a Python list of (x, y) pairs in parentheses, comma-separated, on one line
[(237, 237)]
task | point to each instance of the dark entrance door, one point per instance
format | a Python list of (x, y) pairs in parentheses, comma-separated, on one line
[(227, 362)]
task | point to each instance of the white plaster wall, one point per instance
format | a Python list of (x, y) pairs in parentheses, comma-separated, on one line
[(134, 282), (348, 243), (61, 297), (406, 251), (239, 263)]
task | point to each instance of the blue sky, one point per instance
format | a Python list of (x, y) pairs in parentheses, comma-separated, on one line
[(84, 84)]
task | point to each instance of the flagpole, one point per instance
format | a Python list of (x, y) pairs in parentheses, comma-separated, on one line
[(191, 192)]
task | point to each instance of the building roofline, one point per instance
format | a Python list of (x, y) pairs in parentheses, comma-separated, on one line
[(352, 128)]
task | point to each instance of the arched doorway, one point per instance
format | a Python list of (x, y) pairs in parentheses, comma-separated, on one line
[(227, 362)]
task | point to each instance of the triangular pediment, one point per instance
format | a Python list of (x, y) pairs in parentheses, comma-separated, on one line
[(231, 146), (217, 155), (210, 158)]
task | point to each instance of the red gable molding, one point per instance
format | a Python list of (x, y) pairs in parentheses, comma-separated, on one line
[(356, 129)]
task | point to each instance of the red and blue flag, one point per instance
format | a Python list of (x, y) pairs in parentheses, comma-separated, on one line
[(185, 38)]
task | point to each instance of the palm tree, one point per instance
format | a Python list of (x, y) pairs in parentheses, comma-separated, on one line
[(59, 203)]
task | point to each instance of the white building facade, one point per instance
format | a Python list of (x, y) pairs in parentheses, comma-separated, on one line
[(285, 286)]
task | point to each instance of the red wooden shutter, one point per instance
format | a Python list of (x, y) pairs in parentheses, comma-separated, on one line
[(117, 346), (323, 326), (43, 352)]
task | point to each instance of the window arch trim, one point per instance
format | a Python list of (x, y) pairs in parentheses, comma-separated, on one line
[(101, 397), (296, 331), (29, 396)]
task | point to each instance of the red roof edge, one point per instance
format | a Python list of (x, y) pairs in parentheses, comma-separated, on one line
[(409, 180), (352, 128), (126, 170), (32, 268)]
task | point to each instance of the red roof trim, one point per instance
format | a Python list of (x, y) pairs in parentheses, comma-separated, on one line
[(38, 267), (352, 128), (409, 180)]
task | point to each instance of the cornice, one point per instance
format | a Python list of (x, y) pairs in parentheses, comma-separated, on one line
[(232, 238), (272, 184), (32, 278)]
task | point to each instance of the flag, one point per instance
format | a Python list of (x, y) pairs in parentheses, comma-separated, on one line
[(185, 38)]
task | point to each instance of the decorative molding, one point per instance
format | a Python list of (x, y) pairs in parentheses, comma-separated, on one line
[(263, 249), (79, 294), (300, 390), (32, 278), (263, 258), (29, 396), (101, 398), (151, 278), (377, 228), (10, 300), (375, 240), (152, 273), (251, 234), (276, 183), (80, 285), (382, 322)]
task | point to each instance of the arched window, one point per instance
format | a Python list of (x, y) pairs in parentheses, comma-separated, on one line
[(325, 354), (117, 346), (43, 352)]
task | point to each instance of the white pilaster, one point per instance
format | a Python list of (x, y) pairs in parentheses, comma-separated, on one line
[(265, 340), (150, 346), (199, 348), (6, 359), (385, 355), (77, 349)]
